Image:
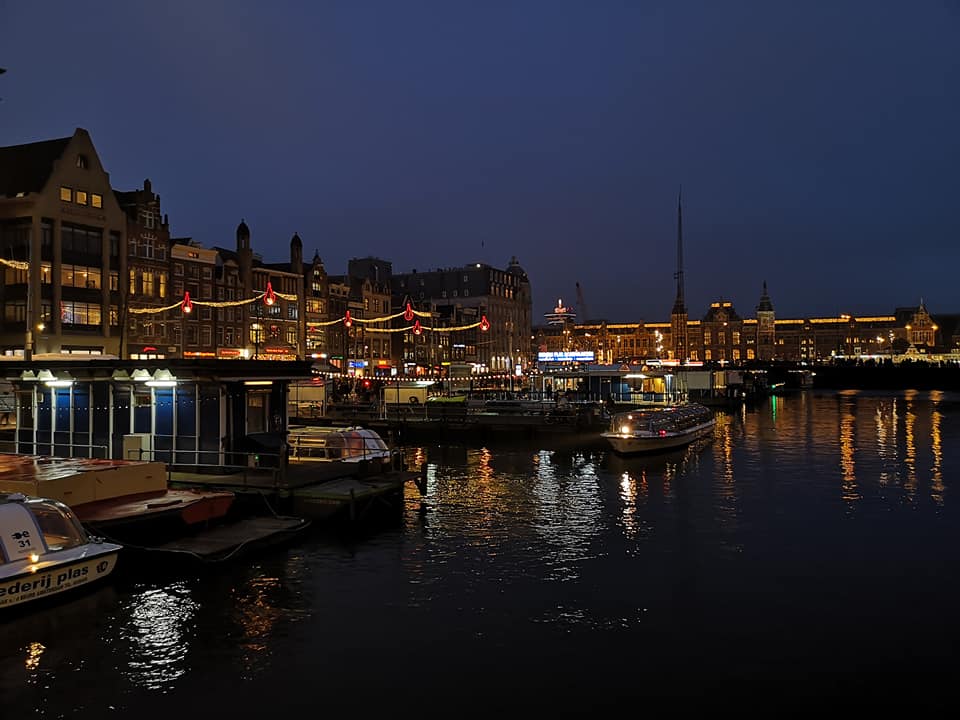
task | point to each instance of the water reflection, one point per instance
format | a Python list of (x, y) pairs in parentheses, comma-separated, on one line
[(522, 555), (910, 457), (34, 653), (159, 628), (936, 447), (848, 487), (568, 510)]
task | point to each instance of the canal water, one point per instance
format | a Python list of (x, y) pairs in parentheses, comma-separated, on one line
[(805, 558)]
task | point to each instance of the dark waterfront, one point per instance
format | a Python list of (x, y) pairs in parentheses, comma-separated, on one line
[(804, 559)]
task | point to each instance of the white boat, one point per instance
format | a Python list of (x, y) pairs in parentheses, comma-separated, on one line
[(336, 444), (46, 551), (663, 428)]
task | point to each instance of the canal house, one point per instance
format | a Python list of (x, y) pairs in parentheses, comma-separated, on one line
[(181, 412)]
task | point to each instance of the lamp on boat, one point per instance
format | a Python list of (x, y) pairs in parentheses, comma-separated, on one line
[(162, 378)]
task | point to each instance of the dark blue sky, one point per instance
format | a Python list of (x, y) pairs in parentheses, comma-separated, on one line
[(817, 143)]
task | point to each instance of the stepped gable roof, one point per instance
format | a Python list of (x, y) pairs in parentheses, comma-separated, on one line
[(26, 168)]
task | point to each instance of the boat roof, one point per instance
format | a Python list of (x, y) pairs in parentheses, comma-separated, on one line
[(681, 410), (42, 468)]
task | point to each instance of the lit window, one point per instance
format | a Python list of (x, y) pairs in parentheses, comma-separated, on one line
[(66, 194), (81, 197), (82, 161), (96, 200)]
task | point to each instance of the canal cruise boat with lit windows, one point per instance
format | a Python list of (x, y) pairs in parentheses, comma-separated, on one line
[(657, 429)]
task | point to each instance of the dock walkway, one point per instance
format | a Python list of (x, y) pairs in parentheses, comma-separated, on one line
[(310, 490)]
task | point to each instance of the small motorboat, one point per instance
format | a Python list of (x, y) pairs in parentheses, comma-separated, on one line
[(44, 550)]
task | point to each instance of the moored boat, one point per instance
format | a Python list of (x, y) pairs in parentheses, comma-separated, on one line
[(663, 428), (45, 550), (118, 499)]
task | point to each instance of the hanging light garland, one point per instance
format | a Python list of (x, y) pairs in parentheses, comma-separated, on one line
[(269, 298), (15, 264)]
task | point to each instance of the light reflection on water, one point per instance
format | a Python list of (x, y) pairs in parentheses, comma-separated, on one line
[(733, 549), (158, 632)]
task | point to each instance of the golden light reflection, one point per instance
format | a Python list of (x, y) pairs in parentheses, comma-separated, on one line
[(724, 433), (257, 614), (848, 491), (909, 434), (484, 470), (34, 652), (936, 447), (883, 447)]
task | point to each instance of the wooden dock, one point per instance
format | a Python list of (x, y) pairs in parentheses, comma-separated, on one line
[(225, 542), (311, 490)]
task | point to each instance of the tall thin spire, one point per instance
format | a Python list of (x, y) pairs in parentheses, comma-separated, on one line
[(679, 305)]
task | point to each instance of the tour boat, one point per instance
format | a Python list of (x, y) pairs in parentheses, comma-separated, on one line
[(663, 428), (44, 550)]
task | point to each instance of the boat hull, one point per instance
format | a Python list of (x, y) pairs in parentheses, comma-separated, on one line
[(31, 582), (636, 443)]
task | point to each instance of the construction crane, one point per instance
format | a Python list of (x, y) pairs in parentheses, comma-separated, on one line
[(582, 305)]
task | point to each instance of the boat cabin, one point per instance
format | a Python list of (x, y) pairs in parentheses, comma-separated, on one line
[(33, 527), (347, 444)]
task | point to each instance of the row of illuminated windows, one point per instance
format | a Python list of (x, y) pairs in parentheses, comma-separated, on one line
[(721, 338), (80, 197), (261, 333), (721, 355), (148, 282), (81, 276), (71, 313)]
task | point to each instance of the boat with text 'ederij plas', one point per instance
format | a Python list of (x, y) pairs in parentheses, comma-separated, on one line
[(662, 428), (45, 551)]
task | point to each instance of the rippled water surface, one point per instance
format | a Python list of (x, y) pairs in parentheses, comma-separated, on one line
[(807, 552)]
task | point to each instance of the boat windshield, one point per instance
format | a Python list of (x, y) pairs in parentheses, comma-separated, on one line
[(61, 530), (37, 526)]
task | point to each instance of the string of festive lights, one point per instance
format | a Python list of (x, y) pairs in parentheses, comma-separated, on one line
[(15, 264), (269, 297)]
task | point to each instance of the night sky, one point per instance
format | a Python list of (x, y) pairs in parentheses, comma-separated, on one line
[(817, 143)]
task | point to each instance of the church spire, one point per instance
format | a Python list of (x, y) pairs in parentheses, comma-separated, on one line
[(678, 318), (679, 305)]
